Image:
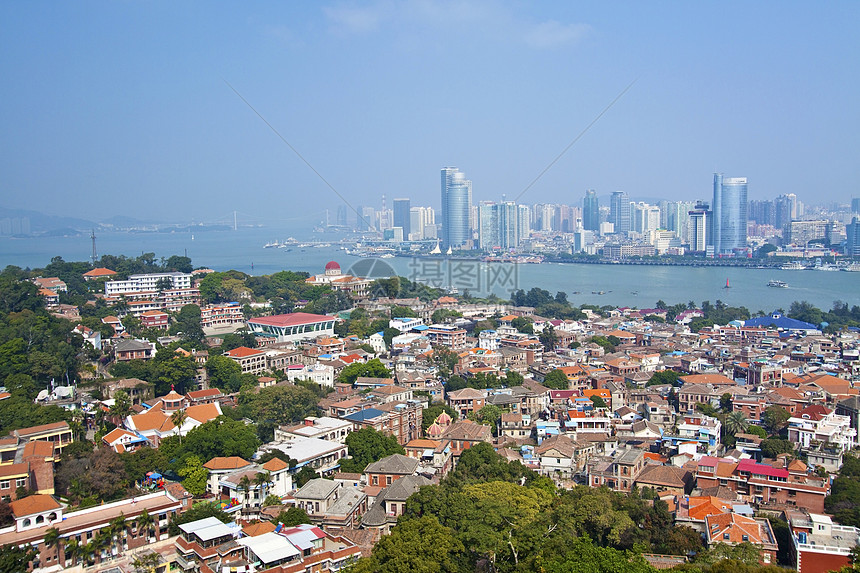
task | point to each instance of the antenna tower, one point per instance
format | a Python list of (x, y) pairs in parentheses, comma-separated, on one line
[(93, 237)]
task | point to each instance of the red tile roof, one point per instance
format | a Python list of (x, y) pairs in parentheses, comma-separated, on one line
[(33, 504), (291, 319), (243, 352)]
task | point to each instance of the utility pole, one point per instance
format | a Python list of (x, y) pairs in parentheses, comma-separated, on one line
[(93, 237)]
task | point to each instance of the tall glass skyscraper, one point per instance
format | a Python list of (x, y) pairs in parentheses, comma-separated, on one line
[(456, 208), (730, 214), (401, 216), (619, 211), (590, 211)]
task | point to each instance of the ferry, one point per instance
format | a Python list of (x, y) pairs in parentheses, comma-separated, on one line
[(777, 284), (793, 266)]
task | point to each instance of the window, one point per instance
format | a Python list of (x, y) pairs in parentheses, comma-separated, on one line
[(726, 536), (4, 484), (21, 482)]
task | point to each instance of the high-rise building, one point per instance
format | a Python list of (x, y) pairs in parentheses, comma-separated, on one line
[(619, 205), (401, 216), (762, 212), (785, 210), (675, 216), (456, 208), (644, 217), (499, 224), (590, 211), (700, 227), (730, 214), (852, 238), (422, 222), (366, 218), (855, 204), (341, 215)]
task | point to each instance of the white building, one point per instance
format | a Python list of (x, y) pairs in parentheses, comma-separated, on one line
[(822, 425), (147, 282), (293, 327), (321, 374)]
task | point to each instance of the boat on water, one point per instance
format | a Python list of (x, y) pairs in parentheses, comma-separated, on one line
[(777, 284), (793, 266)]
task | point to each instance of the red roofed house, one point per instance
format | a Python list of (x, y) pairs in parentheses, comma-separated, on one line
[(251, 360), (123, 441), (98, 273), (734, 529), (763, 484), (154, 319)]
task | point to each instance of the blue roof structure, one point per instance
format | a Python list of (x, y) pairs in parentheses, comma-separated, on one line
[(776, 320), (363, 415)]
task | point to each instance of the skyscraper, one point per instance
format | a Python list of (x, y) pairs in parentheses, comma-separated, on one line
[(619, 216), (700, 227), (730, 214), (401, 216), (499, 224), (456, 208), (590, 211), (785, 210)]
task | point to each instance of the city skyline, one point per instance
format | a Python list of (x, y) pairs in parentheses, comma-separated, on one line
[(127, 103)]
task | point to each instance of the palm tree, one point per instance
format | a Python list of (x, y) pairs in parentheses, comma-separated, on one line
[(145, 522), (116, 530), (72, 550), (262, 480), (52, 539), (178, 418), (736, 422), (245, 485)]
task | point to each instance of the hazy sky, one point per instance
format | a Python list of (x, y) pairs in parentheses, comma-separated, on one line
[(122, 108)]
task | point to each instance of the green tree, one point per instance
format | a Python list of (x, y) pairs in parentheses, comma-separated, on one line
[(224, 373), (195, 476), (178, 419), (372, 369), (736, 422), (661, 377), (556, 380), (523, 324), (421, 545), (221, 437), (774, 419), (366, 446), (187, 322), (489, 415), (197, 511), (14, 559), (292, 517), (772, 447), (598, 402)]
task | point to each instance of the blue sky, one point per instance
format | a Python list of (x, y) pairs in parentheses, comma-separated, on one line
[(122, 107)]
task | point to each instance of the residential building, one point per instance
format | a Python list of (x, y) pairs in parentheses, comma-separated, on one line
[(734, 529), (763, 484), (818, 545), (251, 360), (148, 282)]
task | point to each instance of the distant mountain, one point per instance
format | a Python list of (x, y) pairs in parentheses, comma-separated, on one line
[(124, 221), (42, 223)]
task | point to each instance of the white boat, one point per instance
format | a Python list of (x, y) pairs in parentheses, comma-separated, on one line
[(793, 266), (777, 284)]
